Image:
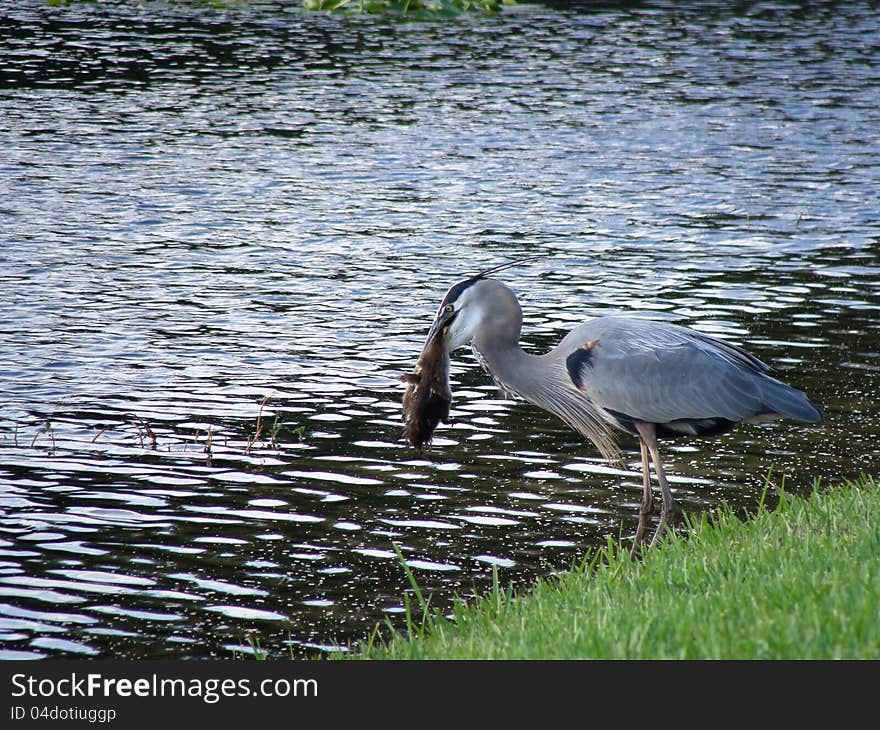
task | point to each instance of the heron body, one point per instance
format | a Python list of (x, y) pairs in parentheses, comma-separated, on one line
[(652, 379)]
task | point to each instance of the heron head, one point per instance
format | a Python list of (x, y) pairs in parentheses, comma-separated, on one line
[(457, 317), (473, 306)]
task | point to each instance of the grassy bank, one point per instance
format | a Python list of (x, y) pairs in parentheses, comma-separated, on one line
[(802, 582)]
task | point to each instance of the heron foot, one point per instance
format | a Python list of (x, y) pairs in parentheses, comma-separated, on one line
[(645, 511), (667, 520), (644, 518)]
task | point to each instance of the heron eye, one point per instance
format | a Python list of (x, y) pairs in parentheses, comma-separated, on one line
[(449, 308)]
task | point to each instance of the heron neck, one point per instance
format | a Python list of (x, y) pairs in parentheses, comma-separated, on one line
[(544, 381), (512, 369)]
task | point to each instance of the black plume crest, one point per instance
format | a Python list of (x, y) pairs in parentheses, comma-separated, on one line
[(456, 289), (502, 267)]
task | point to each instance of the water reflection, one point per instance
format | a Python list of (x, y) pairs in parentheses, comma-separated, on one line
[(225, 234)]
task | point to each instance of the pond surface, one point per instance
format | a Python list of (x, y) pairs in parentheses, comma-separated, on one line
[(224, 234)]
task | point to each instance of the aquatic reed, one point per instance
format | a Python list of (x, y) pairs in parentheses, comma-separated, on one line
[(414, 9)]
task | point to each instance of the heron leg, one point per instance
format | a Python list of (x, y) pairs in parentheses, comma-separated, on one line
[(647, 506), (648, 436)]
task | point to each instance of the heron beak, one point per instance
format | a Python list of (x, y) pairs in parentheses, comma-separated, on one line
[(440, 327)]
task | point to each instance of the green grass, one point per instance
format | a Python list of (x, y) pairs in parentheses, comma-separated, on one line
[(801, 582)]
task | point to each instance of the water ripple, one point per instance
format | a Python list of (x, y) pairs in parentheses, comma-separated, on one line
[(223, 239)]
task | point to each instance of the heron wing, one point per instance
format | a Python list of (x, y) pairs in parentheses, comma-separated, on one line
[(660, 373)]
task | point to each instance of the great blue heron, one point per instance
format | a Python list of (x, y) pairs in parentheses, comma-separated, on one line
[(652, 379)]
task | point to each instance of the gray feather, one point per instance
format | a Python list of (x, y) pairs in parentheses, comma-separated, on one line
[(659, 373)]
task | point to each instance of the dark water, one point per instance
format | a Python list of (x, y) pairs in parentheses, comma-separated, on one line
[(202, 210)]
